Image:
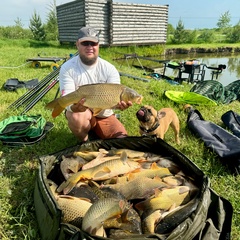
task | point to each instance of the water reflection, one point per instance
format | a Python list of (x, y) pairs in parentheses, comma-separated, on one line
[(228, 75)]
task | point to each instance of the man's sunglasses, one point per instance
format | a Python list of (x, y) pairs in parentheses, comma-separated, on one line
[(89, 43)]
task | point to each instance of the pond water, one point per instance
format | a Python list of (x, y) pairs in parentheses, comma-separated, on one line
[(228, 75)]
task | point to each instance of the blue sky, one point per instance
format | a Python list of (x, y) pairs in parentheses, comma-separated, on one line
[(194, 14)]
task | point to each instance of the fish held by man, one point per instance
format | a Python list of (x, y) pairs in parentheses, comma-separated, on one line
[(98, 97)]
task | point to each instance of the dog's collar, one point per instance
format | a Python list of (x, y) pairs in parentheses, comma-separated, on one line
[(151, 129)]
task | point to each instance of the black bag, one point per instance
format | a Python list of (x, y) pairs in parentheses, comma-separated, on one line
[(217, 139), (210, 215), (232, 120), (13, 84)]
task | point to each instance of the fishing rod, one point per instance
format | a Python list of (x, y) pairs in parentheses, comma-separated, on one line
[(31, 104), (33, 95), (34, 89), (134, 77), (29, 94)]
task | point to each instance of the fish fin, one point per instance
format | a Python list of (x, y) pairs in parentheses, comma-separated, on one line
[(91, 230), (52, 104), (103, 151), (57, 108), (73, 198), (66, 187), (93, 184), (154, 166), (131, 176), (61, 187), (66, 196), (136, 170), (74, 169), (122, 204), (157, 192), (140, 206), (183, 189), (101, 232), (96, 111), (124, 216), (124, 156), (172, 207), (101, 172), (85, 199), (157, 178), (140, 160)]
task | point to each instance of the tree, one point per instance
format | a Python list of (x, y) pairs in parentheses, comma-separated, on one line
[(18, 22), (190, 36), (224, 20), (51, 26), (170, 29), (179, 33), (37, 28)]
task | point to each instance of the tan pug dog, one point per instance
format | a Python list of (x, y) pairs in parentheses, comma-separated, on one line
[(153, 122)]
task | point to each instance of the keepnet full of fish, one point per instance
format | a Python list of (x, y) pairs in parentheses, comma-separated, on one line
[(119, 192)]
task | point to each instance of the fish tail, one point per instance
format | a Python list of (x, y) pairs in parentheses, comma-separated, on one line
[(140, 206), (57, 108)]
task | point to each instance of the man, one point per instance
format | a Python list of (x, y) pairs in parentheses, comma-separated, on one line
[(88, 68)]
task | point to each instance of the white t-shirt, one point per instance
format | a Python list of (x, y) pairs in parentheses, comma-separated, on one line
[(74, 73)]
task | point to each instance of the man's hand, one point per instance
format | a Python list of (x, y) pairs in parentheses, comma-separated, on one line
[(123, 105), (78, 107)]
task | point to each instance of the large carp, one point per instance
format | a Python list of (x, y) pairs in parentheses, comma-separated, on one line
[(99, 212), (98, 97)]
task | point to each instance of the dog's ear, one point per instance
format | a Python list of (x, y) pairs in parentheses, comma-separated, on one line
[(161, 114)]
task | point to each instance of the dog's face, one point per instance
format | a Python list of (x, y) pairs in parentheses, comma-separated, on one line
[(147, 114)]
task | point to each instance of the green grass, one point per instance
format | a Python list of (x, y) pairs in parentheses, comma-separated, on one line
[(19, 166)]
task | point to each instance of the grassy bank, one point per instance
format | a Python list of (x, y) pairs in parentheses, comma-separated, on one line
[(19, 166)]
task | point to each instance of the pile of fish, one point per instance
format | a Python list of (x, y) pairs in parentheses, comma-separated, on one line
[(117, 192)]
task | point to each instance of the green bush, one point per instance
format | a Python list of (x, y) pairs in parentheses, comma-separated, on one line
[(234, 34), (207, 36), (15, 32)]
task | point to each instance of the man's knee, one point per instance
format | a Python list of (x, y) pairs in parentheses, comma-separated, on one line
[(109, 127)]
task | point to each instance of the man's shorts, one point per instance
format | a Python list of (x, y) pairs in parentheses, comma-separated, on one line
[(109, 127)]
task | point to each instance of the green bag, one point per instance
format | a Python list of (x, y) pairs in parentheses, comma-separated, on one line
[(209, 217), (23, 129)]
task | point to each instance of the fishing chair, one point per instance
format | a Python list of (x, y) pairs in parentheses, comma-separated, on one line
[(217, 70), (193, 68)]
